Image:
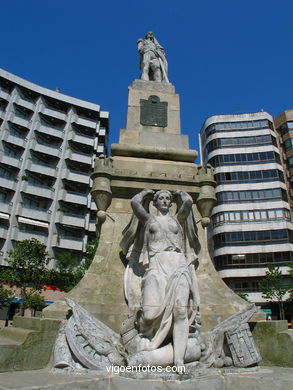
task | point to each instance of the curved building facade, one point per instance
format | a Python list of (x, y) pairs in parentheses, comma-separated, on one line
[(251, 224), (48, 144), (284, 128)]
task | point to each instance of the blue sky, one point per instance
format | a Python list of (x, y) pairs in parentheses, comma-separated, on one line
[(224, 56)]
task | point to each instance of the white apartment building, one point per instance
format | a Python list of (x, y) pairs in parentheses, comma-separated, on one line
[(48, 144), (251, 225)]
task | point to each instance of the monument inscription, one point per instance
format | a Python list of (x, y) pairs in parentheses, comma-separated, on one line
[(153, 112)]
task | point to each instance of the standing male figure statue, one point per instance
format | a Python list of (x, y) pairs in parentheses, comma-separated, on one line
[(153, 63)]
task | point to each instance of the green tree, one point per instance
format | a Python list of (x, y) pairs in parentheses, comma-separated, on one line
[(27, 268), (6, 297), (290, 265), (67, 272), (34, 302), (273, 287), (243, 296), (91, 249)]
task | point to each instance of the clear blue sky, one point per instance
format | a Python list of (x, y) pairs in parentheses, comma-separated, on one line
[(224, 56)]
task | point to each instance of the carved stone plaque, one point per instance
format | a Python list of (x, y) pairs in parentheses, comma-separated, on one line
[(153, 112)]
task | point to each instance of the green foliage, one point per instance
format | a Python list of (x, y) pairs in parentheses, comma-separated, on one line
[(91, 249), (27, 267), (34, 302), (290, 265), (273, 287), (6, 297), (67, 273), (28, 264), (65, 262), (69, 270), (243, 296)]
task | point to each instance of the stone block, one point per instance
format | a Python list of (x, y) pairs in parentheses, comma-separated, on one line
[(275, 342), (29, 347)]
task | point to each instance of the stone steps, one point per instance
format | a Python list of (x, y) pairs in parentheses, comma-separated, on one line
[(28, 343)]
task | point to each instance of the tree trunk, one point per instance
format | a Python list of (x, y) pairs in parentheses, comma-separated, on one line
[(22, 296)]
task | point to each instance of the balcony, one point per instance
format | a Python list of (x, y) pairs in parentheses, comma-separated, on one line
[(70, 219), (54, 113), (91, 123), (73, 197), (11, 161), (33, 213), (3, 232), (76, 176), (14, 139), (19, 235), (24, 103), (5, 207), (78, 157), (45, 149), (4, 95), (42, 168), (92, 226), (102, 132), (8, 183), (37, 190), (73, 243), (47, 129), (82, 138), (19, 121)]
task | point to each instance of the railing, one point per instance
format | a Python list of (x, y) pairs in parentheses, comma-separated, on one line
[(78, 133), (30, 207), (33, 232), (65, 213), (76, 193), (70, 237), (81, 153), (43, 164), (53, 146), (41, 186), (79, 172)]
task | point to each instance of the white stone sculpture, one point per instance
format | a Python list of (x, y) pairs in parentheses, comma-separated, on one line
[(160, 282), (161, 290), (153, 63), (85, 342)]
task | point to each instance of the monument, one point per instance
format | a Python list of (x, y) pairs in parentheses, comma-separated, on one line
[(151, 295), (152, 280)]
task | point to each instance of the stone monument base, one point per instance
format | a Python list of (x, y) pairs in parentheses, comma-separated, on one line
[(273, 378)]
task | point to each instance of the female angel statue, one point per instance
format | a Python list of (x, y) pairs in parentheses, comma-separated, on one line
[(160, 282)]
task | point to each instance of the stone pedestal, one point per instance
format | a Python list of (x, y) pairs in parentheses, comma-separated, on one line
[(151, 153)]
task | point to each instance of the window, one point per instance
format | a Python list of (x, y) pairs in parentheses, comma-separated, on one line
[(263, 237)]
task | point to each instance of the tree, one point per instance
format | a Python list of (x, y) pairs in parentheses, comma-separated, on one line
[(34, 302), (27, 268), (243, 296), (91, 249), (67, 272), (6, 297), (290, 265), (273, 287)]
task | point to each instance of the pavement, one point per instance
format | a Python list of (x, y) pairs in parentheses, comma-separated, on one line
[(260, 378)]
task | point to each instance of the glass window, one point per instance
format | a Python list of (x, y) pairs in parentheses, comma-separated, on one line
[(271, 214), (244, 215)]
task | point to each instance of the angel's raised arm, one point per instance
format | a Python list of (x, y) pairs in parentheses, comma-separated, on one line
[(185, 207), (137, 207)]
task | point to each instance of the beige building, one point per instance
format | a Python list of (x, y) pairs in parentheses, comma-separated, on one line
[(48, 144)]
